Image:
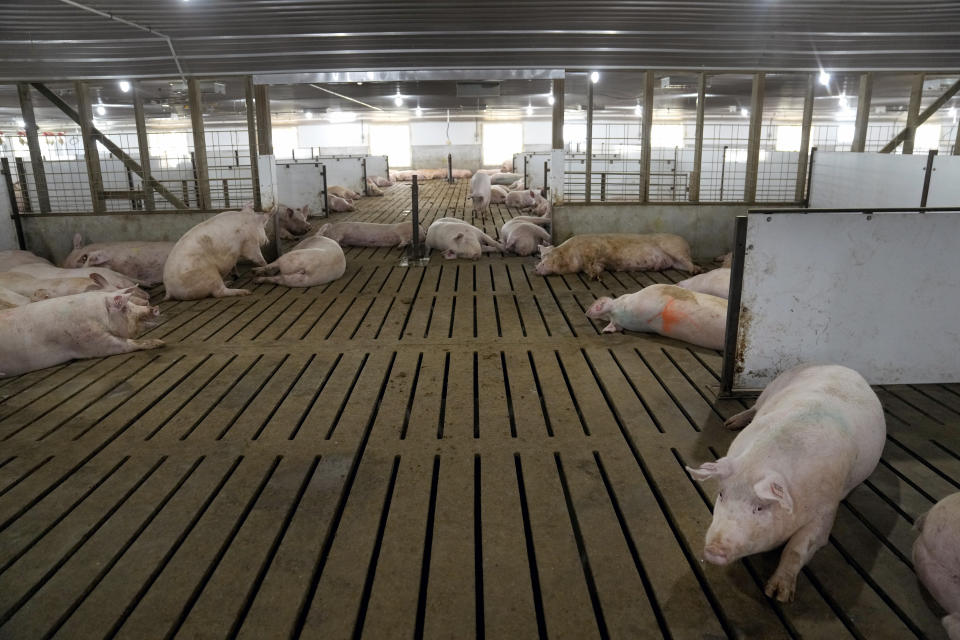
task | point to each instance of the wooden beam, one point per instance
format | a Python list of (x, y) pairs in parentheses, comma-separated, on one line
[(753, 144), (588, 167), (264, 129), (863, 112), (33, 142), (924, 116), (805, 127), (143, 145), (956, 143), (698, 139), (558, 113), (646, 126), (90, 153), (252, 142), (127, 161), (913, 112), (199, 144)]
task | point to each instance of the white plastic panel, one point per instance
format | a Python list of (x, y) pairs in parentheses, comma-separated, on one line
[(533, 164), (300, 184), (849, 180), (945, 184), (879, 294), (345, 172), (376, 166)]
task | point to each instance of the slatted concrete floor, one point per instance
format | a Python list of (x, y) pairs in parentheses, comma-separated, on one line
[(450, 451)]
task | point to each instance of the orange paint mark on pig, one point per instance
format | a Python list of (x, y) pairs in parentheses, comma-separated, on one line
[(671, 316)]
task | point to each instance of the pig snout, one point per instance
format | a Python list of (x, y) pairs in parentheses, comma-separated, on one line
[(715, 553)]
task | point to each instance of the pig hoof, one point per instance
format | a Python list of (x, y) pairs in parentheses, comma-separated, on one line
[(781, 587), (740, 420), (151, 343), (611, 328)]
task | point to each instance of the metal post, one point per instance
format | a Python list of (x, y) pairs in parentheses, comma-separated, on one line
[(326, 204), (144, 146), (603, 186), (927, 176), (264, 128), (134, 202), (33, 141), (753, 145), (733, 306), (85, 112), (526, 160), (185, 191), (450, 168), (646, 125), (723, 170), (588, 168), (363, 170), (252, 142), (698, 139), (808, 179), (24, 191), (913, 111), (199, 144), (805, 139), (546, 173), (14, 210), (557, 114), (226, 193), (863, 112), (415, 220)]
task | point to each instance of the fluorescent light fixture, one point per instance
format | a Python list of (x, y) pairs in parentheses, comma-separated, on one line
[(824, 78), (744, 112), (419, 111), (371, 75), (529, 109), (398, 99), (174, 116), (124, 86), (341, 116), (844, 102), (21, 123), (551, 99), (952, 112), (638, 110), (308, 115), (101, 110), (595, 77)]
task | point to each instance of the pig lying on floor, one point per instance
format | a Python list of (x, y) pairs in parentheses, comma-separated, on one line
[(370, 234), (715, 283), (815, 433), (142, 261), (936, 558), (457, 239), (524, 234), (316, 260), (85, 325), (592, 253)]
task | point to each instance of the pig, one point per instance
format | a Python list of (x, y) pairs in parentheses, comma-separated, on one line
[(208, 251), (522, 199), (142, 261), (9, 299), (507, 166), (16, 257), (41, 270), (372, 188), (716, 282), (316, 260), (382, 182), (293, 223), (697, 318), (343, 192), (43, 288), (85, 325), (523, 234), (815, 433), (936, 558), (489, 172), (457, 239), (498, 195), (516, 185), (504, 178), (542, 206), (480, 192), (592, 253), (726, 260), (338, 204), (462, 173), (370, 234)]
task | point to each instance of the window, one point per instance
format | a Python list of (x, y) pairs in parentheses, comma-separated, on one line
[(788, 137), (393, 141), (667, 136), (284, 141), (845, 134), (500, 141), (926, 138)]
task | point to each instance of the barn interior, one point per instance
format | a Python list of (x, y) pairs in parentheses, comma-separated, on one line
[(452, 448)]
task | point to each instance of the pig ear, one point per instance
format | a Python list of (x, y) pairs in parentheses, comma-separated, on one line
[(95, 258), (774, 487), (77, 241), (459, 236), (40, 294), (718, 470), (306, 210), (115, 303), (99, 280)]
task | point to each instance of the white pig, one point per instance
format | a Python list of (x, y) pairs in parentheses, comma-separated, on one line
[(43, 288), (697, 318), (523, 234), (716, 282), (498, 194), (142, 261), (382, 182), (726, 260), (316, 260), (338, 204), (10, 299), (15, 257), (480, 192), (293, 222), (516, 185), (457, 239), (462, 173), (815, 433), (592, 253), (372, 188), (522, 199), (504, 178), (208, 251), (936, 558), (343, 192), (507, 166), (42, 270), (85, 325), (370, 234)]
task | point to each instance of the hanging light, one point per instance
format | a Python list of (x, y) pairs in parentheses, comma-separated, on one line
[(20, 123), (418, 110), (824, 78), (551, 99), (101, 110), (595, 77), (398, 99), (952, 112), (637, 110), (308, 115), (124, 86), (744, 112), (844, 102), (529, 109)]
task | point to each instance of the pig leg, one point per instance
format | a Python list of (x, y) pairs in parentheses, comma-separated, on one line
[(224, 292), (612, 328), (685, 264), (489, 244), (951, 624), (740, 420), (593, 269), (796, 554)]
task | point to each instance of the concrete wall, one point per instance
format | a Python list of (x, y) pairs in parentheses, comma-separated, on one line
[(435, 157), (708, 228)]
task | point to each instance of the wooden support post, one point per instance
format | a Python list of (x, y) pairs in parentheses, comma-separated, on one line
[(753, 145), (264, 130), (646, 126), (863, 112), (143, 144), (558, 113), (199, 145), (588, 168), (85, 111), (800, 191), (924, 116), (252, 142), (698, 139), (956, 143), (913, 113), (33, 142)]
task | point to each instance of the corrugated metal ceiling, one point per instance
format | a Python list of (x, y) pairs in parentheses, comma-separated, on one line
[(49, 39)]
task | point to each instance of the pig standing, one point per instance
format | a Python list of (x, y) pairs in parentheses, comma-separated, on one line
[(10, 299), (15, 257), (208, 251), (815, 433), (372, 188), (480, 192), (338, 204), (522, 199), (716, 283), (457, 239), (592, 253), (343, 192), (669, 310), (316, 260), (86, 325), (498, 194), (523, 234), (370, 234), (142, 261), (936, 558)]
